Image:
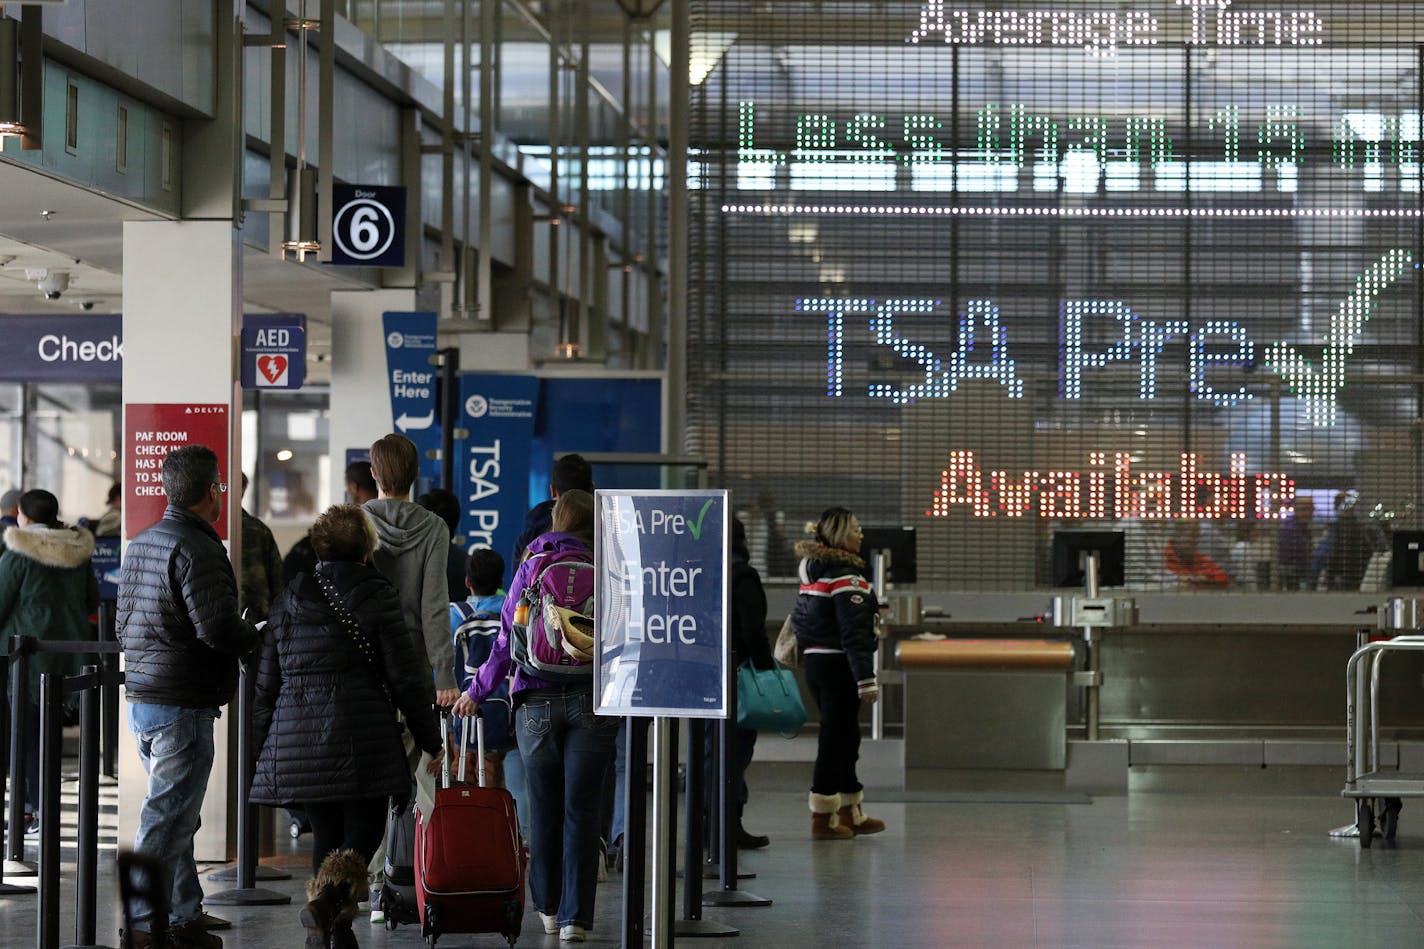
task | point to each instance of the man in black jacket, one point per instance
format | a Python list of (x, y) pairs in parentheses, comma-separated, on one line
[(179, 625)]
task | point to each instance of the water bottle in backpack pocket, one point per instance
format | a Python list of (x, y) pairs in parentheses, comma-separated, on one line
[(552, 632)]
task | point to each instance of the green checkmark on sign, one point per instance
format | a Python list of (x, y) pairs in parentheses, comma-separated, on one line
[(696, 529)]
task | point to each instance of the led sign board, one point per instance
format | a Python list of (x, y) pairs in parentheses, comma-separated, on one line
[(1101, 30), (1110, 488), (984, 348)]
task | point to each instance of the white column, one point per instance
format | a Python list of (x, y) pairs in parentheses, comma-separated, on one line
[(182, 314), (360, 391)]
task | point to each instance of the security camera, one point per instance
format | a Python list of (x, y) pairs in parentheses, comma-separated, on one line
[(86, 305), (52, 283)]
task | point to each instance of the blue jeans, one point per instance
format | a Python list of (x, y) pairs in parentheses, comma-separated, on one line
[(516, 782), (176, 748), (566, 749)]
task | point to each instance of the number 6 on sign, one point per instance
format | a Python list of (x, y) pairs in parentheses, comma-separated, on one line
[(368, 227)]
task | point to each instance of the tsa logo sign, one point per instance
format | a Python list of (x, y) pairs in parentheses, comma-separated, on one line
[(477, 406)]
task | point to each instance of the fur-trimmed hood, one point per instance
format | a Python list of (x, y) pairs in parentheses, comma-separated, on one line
[(51, 546), (828, 555)]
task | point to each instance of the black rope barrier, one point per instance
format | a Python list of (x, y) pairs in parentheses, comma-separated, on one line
[(8, 889), (245, 874), (54, 688), (21, 649), (694, 802), (729, 790)]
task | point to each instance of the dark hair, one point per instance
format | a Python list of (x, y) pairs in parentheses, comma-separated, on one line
[(485, 571), (188, 473), (395, 464), (359, 474), (573, 514), (571, 473), (441, 502), (40, 506), (115, 490), (343, 533), (833, 527), (739, 539)]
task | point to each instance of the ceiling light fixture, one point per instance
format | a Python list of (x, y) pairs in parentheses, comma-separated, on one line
[(10, 123), (301, 181)]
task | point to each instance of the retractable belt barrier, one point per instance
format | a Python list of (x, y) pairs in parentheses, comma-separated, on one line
[(21, 649), (53, 690), (247, 872)]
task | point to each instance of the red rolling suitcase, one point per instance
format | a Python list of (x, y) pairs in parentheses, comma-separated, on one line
[(469, 859)]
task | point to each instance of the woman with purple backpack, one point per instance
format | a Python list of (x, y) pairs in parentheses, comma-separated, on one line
[(565, 747)]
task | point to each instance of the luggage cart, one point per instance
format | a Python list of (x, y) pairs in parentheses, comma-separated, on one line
[(1373, 789)]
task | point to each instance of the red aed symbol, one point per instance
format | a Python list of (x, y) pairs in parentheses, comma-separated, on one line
[(273, 370)]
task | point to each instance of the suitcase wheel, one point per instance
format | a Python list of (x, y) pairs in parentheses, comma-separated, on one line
[(295, 828)]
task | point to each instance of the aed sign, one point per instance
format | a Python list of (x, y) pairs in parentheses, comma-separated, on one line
[(274, 350), (76, 348), (661, 603), (368, 225)]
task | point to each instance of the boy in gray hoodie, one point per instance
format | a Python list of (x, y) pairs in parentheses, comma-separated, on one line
[(412, 555)]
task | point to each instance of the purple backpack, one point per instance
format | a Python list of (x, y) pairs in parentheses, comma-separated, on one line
[(552, 633)]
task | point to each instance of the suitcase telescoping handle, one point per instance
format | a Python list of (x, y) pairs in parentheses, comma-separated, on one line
[(464, 748)]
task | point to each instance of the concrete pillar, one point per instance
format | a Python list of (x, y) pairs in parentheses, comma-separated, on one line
[(182, 316), (360, 394)]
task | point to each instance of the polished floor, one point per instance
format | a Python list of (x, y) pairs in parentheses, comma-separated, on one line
[(1213, 860)]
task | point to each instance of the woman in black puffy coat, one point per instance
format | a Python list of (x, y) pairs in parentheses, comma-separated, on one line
[(834, 622), (328, 734)]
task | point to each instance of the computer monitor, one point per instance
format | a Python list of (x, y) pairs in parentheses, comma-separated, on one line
[(1406, 567), (1068, 545), (899, 543)]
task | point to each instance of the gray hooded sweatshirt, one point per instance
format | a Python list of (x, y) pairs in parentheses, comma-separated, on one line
[(412, 555)]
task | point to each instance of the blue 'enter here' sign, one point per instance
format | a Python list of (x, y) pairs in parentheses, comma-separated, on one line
[(661, 603)]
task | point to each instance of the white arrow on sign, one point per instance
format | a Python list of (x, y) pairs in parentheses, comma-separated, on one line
[(405, 423)]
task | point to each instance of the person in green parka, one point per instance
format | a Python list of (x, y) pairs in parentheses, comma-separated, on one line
[(47, 590)]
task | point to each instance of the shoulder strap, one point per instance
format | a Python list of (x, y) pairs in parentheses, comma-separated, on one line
[(354, 630)]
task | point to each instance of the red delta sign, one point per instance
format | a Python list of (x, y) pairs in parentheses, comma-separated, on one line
[(1109, 489)]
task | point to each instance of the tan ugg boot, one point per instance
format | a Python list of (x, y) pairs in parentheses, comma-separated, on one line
[(852, 816), (824, 823)]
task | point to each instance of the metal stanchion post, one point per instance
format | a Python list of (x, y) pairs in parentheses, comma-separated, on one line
[(692, 923), (51, 738), (86, 879), (15, 863), (8, 889), (109, 693), (729, 895), (712, 868), (664, 826), (247, 893), (635, 830)]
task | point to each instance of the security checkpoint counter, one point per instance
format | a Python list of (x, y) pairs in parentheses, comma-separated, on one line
[(985, 703)]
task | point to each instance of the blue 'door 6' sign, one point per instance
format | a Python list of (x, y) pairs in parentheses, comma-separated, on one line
[(661, 603)]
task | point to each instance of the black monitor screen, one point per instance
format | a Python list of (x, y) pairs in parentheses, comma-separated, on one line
[(1407, 564), (899, 543), (1069, 545)]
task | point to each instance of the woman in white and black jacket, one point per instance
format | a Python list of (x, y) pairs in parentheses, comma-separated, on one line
[(834, 621)]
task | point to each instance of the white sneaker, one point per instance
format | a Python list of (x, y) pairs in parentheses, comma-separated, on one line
[(378, 916), (572, 933), (551, 923)]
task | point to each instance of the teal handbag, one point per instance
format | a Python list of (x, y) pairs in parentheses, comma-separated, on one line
[(769, 700)]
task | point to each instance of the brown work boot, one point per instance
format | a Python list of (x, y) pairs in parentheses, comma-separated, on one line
[(825, 824), (320, 915), (853, 817), (136, 939)]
